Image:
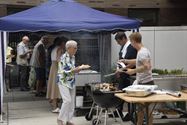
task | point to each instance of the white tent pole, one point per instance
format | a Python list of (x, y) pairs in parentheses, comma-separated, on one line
[(3, 40), (1, 78)]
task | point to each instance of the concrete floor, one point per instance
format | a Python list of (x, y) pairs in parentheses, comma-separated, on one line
[(23, 108)]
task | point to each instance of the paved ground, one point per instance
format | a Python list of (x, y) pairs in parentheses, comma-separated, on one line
[(22, 108)]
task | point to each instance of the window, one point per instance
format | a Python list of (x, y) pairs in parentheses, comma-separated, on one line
[(16, 9), (149, 17)]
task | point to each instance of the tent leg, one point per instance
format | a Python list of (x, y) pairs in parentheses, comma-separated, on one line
[(1, 119), (3, 40)]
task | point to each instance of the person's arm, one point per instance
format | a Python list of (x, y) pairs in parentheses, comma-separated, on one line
[(21, 52), (146, 66), (128, 61)]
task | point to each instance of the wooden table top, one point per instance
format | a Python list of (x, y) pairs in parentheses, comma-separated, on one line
[(152, 98)]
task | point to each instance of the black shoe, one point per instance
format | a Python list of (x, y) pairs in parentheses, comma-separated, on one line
[(110, 115), (39, 94), (24, 89), (28, 88), (116, 114), (43, 93), (126, 117)]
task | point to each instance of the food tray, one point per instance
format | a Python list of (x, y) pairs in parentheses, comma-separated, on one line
[(138, 93)]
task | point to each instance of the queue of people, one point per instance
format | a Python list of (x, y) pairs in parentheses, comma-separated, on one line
[(61, 81), (37, 64)]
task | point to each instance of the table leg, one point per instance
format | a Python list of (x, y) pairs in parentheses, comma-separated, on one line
[(147, 114), (134, 115)]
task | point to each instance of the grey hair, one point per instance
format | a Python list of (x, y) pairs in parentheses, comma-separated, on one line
[(71, 43)]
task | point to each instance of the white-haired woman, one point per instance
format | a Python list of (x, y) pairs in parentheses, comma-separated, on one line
[(66, 71)]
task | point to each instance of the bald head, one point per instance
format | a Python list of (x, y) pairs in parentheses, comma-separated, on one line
[(25, 39)]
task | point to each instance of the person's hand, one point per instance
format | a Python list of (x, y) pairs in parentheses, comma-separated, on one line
[(122, 60), (8, 56), (130, 71), (30, 51), (121, 70), (12, 56), (77, 70)]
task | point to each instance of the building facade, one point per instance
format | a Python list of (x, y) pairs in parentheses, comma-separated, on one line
[(151, 12)]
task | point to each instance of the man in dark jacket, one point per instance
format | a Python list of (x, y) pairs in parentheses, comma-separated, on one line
[(127, 51)]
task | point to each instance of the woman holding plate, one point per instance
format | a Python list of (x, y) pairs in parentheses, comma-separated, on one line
[(66, 80)]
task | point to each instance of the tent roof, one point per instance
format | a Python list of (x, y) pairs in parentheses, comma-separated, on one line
[(65, 15)]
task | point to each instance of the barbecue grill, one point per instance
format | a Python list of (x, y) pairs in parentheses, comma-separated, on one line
[(105, 100)]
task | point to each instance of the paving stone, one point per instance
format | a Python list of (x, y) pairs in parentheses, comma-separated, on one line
[(23, 108)]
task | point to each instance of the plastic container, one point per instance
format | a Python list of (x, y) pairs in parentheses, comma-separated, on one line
[(79, 101)]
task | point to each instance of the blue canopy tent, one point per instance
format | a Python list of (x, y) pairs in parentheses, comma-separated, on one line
[(61, 15), (65, 15)]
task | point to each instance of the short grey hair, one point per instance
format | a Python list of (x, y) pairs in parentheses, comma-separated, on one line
[(71, 43)]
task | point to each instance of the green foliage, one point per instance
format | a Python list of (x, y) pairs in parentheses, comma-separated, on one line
[(176, 71), (167, 72)]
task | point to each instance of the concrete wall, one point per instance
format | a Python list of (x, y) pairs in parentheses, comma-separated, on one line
[(167, 45)]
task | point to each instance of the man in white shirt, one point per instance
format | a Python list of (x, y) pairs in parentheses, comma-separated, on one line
[(23, 54)]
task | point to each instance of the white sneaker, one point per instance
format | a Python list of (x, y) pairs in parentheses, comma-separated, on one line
[(57, 110)]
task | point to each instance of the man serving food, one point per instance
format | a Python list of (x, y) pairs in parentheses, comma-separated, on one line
[(143, 69)]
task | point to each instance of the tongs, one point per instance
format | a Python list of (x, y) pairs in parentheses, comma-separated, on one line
[(118, 64), (112, 74)]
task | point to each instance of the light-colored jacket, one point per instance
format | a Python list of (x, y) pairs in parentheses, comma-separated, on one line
[(65, 75), (38, 56)]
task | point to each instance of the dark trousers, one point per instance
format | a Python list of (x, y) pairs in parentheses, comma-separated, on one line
[(124, 81), (23, 75), (7, 76)]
